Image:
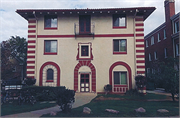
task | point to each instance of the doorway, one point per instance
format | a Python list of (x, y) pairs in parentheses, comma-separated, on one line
[(84, 83)]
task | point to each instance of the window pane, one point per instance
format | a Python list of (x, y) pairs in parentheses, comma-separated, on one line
[(122, 21), (116, 21), (116, 45), (54, 22), (53, 46), (123, 45), (50, 74), (84, 51), (87, 24), (116, 78), (47, 22), (87, 80), (123, 78), (47, 46)]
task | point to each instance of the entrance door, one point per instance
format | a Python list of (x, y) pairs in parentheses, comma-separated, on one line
[(84, 84)]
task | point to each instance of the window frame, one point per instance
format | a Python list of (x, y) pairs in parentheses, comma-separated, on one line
[(50, 17), (50, 53), (115, 16), (176, 28), (155, 55), (152, 40), (79, 55), (159, 37), (150, 58), (120, 78), (120, 52)]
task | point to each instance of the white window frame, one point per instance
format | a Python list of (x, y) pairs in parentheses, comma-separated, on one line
[(152, 40), (89, 50), (176, 27)]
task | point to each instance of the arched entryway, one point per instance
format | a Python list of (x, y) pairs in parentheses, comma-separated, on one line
[(84, 76), (120, 79), (47, 71)]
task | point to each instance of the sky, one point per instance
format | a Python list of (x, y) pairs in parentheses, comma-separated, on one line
[(12, 24)]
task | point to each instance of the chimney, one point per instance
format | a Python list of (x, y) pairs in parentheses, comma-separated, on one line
[(169, 9)]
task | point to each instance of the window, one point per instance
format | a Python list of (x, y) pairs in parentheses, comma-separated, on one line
[(155, 55), (50, 47), (152, 40), (119, 21), (50, 22), (50, 75), (176, 27), (177, 49), (120, 78), (84, 24), (146, 43), (148, 70), (120, 46), (165, 52), (164, 34), (159, 38), (85, 50), (150, 57)]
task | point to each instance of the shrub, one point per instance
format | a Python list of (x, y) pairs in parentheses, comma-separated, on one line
[(132, 92), (140, 81)]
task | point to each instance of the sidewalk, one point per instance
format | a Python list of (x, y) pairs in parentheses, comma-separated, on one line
[(80, 99)]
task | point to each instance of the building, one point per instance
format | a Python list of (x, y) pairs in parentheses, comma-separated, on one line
[(86, 49), (163, 42)]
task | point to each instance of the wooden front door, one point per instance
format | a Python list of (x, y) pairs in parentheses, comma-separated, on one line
[(84, 83)]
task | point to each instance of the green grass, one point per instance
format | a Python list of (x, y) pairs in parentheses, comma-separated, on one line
[(13, 108), (125, 107)]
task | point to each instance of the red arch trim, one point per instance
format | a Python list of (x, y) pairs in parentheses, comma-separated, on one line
[(41, 72), (127, 67)]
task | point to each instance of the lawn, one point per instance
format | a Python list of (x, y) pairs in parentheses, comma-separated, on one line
[(13, 108), (125, 106)]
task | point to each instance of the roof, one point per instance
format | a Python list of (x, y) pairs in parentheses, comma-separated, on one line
[(32, 13)]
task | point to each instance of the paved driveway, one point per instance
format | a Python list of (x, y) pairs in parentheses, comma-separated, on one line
[(80, 99)]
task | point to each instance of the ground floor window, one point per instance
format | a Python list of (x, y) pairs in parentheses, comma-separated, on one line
[(50, 74), (120, 78)]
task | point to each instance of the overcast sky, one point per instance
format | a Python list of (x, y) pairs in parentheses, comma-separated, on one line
[(12, 24)]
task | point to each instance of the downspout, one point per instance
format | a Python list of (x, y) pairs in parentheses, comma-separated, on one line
[(36, 43)]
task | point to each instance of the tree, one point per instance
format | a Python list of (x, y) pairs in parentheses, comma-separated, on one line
[(13, 49), (166, 74)]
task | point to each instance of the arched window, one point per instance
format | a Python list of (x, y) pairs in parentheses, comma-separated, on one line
[(50, 74)]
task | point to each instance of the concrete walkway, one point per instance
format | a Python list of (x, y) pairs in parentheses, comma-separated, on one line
[(80, 99)]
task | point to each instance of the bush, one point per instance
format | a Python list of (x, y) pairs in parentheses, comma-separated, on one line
[(140, 81), (132, 92)]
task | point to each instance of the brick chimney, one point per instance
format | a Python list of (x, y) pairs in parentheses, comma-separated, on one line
[(169, 9)]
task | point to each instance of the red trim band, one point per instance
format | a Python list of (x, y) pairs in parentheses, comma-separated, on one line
[(30, 67), (31, 46), (139, 19), (138, 51), (139, 30), (50, 53), (31, 41), (31, 36), (31, 26), (119, 27), (140, 72), (30, 52), (28, 57), (119, 52), (30, 72), (141, 67), (140, 61), (32, 21), (30, 62), (31, 31), (49, 81), (140, 45), (140, 56), (139, 40), (51, 28), (138, 35), (139, 24)]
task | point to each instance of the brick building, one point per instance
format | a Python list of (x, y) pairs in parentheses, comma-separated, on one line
[(163, 42)]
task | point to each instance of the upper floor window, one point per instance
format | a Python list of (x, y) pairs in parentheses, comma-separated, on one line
[(50, 47), (50, 22), (152, 40), (165, 52), (84, 51), (119, 46), (159, 37), (176, 27), (177, 49), (150, 57), (84, 24), (164, 34), (146, 43), (50, 74), (120, 78), (155, 55), (119, 21)]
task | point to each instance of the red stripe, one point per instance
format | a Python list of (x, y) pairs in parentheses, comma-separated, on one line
[(31, 77), (50, 53), (31, 46), (30, 57), (31, 41), (30, 51), (139, 30), (139, 35), (139, 51), (141, 67), (139, 19), (30, 72), (30, 67), (30, 62), (50, 28), (140, 56), (98, 35), (140, 72), (31, 26), (139, 24), (31, 36), (140, 61), (31, 31), (139, 40), (140, 45), (32, 21)]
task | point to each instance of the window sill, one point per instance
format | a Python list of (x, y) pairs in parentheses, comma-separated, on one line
[(120, 85), (50, 28), (49, 81), (119, 52), (122, 27), (50, 53)]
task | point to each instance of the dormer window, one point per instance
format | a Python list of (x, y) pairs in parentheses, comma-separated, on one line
[(50, 22), (119, 21)]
